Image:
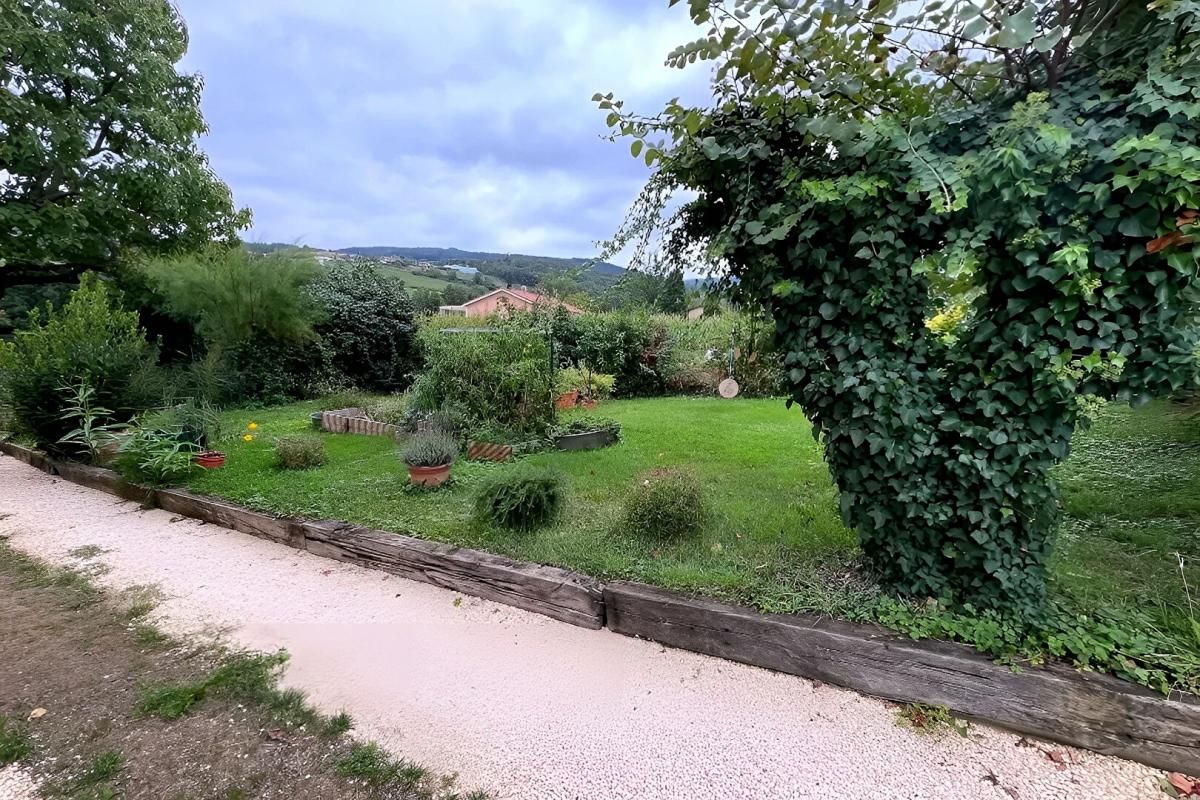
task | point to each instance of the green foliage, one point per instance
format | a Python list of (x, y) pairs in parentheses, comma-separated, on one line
[(368, 326), (15, 742), (434, 449), (90, 435), (100, 139), (391, 409), (587, 424), (233, 297), (372, 764), (90, 340), (300, 452), (665, 504), (931, 719), (502, 377), (589, 384), (245, 677), (1047, 184), (195, 421), (522, 500), (156, 452)]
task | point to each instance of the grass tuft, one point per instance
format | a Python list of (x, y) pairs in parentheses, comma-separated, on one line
[(371, 764), (337, 725), (15, 743)]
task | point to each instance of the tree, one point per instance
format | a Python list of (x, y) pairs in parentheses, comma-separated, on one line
[(98, 153), (649, 290), (368, 324), (455, 295), (1027, 171)]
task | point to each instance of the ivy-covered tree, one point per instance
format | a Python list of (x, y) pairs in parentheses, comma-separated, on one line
[(98, 133), (969, 221)]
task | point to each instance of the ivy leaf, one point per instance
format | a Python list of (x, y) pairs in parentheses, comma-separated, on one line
[(1019, 28)]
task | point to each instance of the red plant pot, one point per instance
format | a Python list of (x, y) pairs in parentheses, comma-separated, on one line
[(210, 459), (429, 476), (567, 400), (589, 403)]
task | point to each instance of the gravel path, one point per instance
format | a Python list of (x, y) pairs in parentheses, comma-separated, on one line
[(528, 707), (15, 784)]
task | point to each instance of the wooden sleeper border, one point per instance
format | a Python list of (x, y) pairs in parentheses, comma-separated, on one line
[(1097, 712)]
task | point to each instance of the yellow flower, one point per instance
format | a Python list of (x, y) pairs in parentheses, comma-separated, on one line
[(248, 438), (253, 426)]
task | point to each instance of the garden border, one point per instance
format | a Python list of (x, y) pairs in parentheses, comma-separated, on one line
[(1097, 712)]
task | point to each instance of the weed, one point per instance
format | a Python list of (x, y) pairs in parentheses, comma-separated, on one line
[(94, 782), (336, 725), (87, 551), (930, 719), (15, 743), (371, 763), (149, 636)]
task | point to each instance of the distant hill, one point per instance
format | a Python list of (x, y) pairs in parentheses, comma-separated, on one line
[(503, 268), (511, 268)]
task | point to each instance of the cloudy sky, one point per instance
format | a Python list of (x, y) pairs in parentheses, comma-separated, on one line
[(457, 123)]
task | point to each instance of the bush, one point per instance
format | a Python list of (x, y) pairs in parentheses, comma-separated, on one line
[(300, 452), (391, 409), (368, 325), (523, 499), (155, 456), (89, 340), (195, 421), (434, 449), (665, 504), (503, 377)]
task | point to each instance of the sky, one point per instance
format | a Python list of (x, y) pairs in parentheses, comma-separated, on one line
[(457, 123)]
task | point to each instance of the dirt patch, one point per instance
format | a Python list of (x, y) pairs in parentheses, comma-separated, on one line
[(74, 669)]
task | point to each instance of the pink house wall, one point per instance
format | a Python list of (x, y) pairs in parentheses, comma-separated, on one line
[(491, 305)]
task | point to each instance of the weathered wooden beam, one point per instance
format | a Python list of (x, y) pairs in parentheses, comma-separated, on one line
[(1097, 712), (105, 480), (34, 458), (228, 515), (557, 593)]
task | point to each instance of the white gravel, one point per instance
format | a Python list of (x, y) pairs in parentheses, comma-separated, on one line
[(16, 784), (527, 707)]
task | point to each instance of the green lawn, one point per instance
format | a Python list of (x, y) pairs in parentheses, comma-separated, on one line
[(1131, 492), (412, 280)]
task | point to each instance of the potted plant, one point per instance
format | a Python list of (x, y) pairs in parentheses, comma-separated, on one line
[(429, 457), (586, 433)]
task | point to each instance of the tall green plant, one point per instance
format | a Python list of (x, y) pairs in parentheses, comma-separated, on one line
[(90, 340), (863, 170), (232, 296), (495, 377)]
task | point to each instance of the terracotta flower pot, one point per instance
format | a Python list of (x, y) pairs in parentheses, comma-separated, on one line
[(589, 403), (429, 476), (210, 459), (567, 400)]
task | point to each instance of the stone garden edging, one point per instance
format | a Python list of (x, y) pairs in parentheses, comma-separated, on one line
[(1097, 712)]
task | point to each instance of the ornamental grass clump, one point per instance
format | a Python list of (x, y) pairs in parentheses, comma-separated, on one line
[(300, 452), (433, 449), (524, 499), (666, 504)]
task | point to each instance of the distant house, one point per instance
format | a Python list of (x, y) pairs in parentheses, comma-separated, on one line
[(464, 270), (503, 301)]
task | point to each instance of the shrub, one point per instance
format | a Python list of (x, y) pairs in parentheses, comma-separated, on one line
[(390, 409), (300, 452), (195, 421), (665, 504), (368, 325), (155, 456), (523, 499), (90, 339), (589, 384), (501, 377), (435, 449)]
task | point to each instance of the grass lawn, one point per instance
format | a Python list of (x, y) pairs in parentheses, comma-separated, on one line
[(1131, 492)]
